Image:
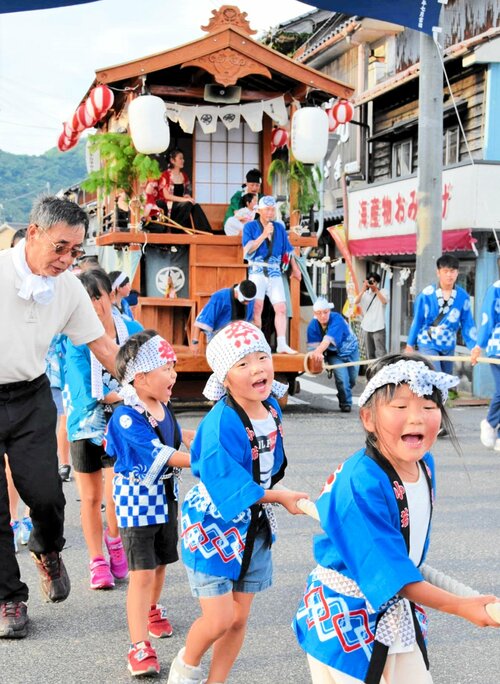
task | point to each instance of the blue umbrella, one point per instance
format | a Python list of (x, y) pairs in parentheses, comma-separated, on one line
[(420, 15), (27, 5)]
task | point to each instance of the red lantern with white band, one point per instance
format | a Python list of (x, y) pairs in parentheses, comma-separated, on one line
[(98, 103), (279, 138), (342, 111), (332, 121)]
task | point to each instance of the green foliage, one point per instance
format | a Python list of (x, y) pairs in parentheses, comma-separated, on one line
[(121, 164), (286, 42), (23, 177), (306, 176)]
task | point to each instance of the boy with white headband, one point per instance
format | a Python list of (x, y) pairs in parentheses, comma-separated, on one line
[(144, 437), (228, 523), (360, 619)]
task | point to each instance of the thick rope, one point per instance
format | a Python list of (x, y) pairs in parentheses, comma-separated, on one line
[(435, 577), (365, 362)]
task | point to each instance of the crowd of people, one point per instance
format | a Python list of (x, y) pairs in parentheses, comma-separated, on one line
[(127, 449)]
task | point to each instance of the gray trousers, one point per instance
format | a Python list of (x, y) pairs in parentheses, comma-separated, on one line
[(374, 343)]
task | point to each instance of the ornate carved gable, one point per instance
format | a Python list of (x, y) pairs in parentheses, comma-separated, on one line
[(229, 15), (228, 65)]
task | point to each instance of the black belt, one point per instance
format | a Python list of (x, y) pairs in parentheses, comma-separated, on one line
[(22, 384)]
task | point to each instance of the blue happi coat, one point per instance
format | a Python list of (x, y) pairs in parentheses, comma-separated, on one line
[(86, 416), (443, 337), (362, 540), (281, 246), (488, 336), (216, 512), (218, 311), (343, 341), (140, 466)]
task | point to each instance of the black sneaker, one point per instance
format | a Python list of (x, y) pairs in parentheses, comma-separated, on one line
[(13, 620), (345, 408), (54, 580), (64, 473)]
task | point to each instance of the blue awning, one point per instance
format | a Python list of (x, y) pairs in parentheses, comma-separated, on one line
[(8, 6), (420, 15)]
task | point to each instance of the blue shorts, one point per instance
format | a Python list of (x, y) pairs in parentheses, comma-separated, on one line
[(258, 577)]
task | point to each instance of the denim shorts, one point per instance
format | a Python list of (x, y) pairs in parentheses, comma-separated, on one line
[(258, 577)]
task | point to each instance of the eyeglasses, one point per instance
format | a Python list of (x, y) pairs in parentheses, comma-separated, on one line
[(61, 249)]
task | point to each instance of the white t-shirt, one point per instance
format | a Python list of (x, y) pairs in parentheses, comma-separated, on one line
[(374, 313), (27, 328), (419, 508), (265, 433), (233, 227)]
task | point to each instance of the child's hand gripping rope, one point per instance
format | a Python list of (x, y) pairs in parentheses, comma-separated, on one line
[(434, 577)]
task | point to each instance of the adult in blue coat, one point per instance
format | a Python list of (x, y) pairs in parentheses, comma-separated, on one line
[(329, 337), (229, 304)]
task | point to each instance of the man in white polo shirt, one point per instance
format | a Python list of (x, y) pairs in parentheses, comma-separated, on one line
[(373, 301), (39, 298)]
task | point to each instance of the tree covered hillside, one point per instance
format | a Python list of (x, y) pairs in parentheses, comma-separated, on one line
[(23, 177)]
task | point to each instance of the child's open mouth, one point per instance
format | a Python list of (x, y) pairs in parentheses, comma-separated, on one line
[(413, 439), (260, 384)]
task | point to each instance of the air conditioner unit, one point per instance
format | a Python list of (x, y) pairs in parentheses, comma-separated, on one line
[(352, 167)]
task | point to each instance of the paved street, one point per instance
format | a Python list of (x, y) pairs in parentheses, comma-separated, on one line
[(84, 640)]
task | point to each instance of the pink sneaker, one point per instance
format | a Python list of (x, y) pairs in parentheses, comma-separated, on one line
[(117, 558), (100, 574), (159, 625)]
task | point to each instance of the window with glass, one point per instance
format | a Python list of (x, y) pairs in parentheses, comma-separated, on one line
[(402, 158), (451, 146), (222, 160)]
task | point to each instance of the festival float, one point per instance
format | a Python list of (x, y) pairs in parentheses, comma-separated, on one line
[(229, 103)]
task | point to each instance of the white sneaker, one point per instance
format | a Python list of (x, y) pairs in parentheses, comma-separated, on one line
[(497, 445), (285, 349), (489, 436), (180, 673)]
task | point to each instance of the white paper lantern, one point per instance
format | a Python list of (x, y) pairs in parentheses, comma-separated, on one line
[(148, 124), (309, 134)]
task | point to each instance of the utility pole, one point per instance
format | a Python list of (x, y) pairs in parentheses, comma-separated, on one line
[(430, 163)]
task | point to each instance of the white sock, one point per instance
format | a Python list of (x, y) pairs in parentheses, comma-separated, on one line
[(281, 341)]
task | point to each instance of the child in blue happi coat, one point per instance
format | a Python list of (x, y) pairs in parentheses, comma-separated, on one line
[(361, 617), (227, 522), (144, 437)]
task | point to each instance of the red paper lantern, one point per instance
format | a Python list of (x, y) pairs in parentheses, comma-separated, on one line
[(343, 111), (66, 142), (332, 121), (279, 138), (98, 103)]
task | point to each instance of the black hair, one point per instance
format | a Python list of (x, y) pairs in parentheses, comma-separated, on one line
[(18, 235), (246, 199), (253, 176), (172, 155), (373, 276), (95, 281), (114, 275), (129, 350), (385, 393), (448, 261), (248, 288)]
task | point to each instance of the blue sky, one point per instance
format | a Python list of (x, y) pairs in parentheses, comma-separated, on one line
[(48, 58)]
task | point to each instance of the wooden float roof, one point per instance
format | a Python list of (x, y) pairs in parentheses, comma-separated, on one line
[(227, 55)]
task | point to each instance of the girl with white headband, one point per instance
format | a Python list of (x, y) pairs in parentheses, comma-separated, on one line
[(144, 438), (121, 286), (361, 618), (228, 523)]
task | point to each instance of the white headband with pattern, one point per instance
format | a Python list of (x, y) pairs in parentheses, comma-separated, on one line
[(229, 346), (119, 280), (416, 374), (154, 353)]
